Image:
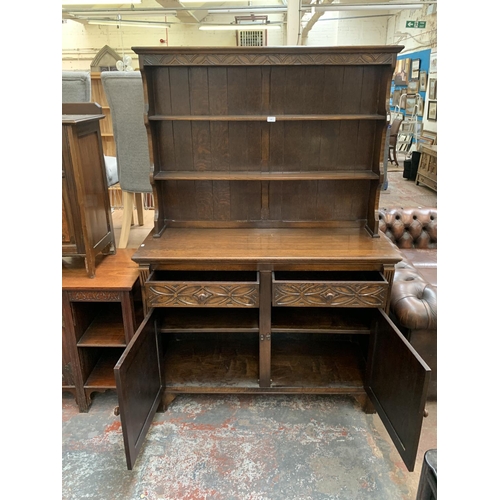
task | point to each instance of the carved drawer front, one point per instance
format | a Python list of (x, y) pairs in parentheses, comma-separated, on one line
[(202, 289), (329, 289)]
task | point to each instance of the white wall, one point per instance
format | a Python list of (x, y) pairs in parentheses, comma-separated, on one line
[(337, 28), (81, 42)]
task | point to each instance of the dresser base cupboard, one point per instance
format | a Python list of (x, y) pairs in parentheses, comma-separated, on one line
[(264, 272)]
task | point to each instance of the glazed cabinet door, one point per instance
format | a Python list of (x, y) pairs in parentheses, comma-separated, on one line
[(397, 380), (139, 386)]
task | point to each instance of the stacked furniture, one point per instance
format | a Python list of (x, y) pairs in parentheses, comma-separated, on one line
[(265, 272), (87, 226)]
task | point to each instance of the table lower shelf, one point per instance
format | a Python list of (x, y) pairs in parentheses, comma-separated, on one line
[(102, 376)]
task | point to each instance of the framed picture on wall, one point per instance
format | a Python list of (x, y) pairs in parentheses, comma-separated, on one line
[(402, 71), (396, 96), (423, 81), (433, 62), (418, 128), (432, 88), (432, 111), (420, 107), (413, 86), (415, 69), (430, 137), (411, 104)]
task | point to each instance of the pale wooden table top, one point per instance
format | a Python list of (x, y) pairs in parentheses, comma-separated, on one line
[(113, 272)]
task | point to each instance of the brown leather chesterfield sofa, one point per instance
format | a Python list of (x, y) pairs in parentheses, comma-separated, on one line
[(414, 293)]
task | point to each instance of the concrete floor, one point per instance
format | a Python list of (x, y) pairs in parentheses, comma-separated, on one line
[(263, 447)]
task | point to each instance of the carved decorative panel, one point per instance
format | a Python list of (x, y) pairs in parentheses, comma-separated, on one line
[(207, 59), (329, 295), (206, 295), (97, 296)]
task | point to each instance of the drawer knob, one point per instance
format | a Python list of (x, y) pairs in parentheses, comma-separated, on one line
[(329, 296), (202, 297)]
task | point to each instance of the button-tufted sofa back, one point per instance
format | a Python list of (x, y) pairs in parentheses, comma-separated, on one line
[(410, 227)]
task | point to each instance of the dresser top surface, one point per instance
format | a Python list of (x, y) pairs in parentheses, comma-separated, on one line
[(256, 246)]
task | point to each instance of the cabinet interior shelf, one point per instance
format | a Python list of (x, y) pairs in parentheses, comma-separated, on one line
[(247, 175), (284, 320), (270, 118)]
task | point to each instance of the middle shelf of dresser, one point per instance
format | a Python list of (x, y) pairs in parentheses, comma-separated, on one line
[(248, 175), (269, 118)]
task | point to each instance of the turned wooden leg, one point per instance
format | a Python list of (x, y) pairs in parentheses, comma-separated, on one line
[(139, 205), (128, 209)]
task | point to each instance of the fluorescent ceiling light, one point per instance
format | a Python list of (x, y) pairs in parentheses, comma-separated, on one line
[(211, 1), (366, 6), (97, 2), (118, 22), (239, 27), (123, 12)]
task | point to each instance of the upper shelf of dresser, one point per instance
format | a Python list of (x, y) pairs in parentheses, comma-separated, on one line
[(312, 117)]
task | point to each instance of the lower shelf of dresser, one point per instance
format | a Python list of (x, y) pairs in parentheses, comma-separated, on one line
[(225, 363)]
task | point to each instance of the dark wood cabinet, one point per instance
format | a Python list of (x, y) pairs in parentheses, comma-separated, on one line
[(100, 317), (87, 226), (265, 272)]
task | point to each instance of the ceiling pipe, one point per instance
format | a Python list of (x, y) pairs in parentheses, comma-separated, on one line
[(259, 8)]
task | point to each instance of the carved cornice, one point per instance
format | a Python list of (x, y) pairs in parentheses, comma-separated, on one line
[(214, 59)]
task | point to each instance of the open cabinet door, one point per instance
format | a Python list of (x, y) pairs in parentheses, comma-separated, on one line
[(138, 384), (397, 381)]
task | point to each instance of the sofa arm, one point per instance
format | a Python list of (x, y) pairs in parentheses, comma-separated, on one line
[(414, 301)]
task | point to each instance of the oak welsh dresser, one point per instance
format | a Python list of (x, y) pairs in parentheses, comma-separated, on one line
[(265, 272)]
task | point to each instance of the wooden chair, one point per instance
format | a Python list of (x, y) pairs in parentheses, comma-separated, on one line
[(393, 140), (124, 93)]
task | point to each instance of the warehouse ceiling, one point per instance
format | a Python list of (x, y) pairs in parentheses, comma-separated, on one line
[(210, 12)]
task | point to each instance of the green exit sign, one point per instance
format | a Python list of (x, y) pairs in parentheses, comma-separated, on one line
[(416, 24)]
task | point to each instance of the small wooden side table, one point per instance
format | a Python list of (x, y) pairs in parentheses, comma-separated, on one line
[(100, 317)]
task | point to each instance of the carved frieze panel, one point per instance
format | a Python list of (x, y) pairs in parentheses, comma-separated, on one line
[(94, 296), (330, 295), (206, 295), (229, 59)]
